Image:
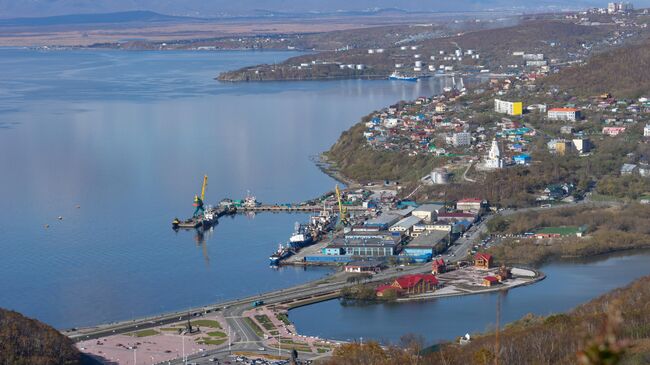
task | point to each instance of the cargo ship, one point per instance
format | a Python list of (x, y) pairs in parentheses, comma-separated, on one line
[(282, 253), (398, 76)]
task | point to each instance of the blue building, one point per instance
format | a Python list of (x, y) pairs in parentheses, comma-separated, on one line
[(523, 159)]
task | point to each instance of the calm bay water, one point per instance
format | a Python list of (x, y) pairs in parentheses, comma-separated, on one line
[(127, 136), (567, 285)]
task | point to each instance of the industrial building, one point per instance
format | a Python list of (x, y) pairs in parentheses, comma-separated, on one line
[(428, 212), (473, 205), (405, 225), (388, 246)]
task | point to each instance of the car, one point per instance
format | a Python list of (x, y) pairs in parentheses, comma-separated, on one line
[(261, 349)]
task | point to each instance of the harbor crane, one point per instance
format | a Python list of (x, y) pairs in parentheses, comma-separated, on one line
[(343, 211), (198, 202)]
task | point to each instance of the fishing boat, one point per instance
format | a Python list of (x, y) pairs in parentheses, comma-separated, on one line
[(282, 253)]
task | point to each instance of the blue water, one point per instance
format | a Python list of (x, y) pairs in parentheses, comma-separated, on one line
[(127, 136), (567, 285)]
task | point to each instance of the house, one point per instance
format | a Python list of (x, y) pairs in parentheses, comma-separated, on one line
[(582, 145), (483, 261), (428, 212), (416, 283), (563, 147), (613, 131), (628, 169), (489, 281), (523, 159), (438, 266), (646, 130), (474, 205), (556, 191), (566, 129), (568, 114)]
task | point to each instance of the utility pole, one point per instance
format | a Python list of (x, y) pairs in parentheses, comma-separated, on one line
[(184, 359)]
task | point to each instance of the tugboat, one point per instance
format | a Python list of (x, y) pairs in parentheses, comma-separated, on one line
[(282, 253), (301, 236), (398, 76)]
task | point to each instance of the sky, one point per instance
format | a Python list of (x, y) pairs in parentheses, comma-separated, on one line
[(209, 8)]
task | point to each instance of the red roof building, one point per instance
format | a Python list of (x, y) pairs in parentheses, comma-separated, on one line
[(483, 260), (438, 266), (490, 281), (411, 284)]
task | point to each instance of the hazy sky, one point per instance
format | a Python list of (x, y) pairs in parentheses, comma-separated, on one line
[(26, 8)]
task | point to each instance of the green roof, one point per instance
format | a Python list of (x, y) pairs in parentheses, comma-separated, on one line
[(563, 231)]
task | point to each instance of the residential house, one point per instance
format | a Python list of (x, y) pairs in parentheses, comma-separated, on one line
[(483, 261), (490, 281), (613, 131), (438, 266)]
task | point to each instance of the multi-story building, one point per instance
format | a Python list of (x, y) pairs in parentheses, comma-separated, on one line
[(646, 130), (507, 107), (462, 139), (582, 145), (570, 114)]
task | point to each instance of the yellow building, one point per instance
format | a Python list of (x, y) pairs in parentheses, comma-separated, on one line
[(563, 147), (506, 107)]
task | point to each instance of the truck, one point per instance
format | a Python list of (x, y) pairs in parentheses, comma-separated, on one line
[(257, 303)]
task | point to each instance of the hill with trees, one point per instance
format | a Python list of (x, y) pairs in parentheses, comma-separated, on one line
[(621, 72), (25, 341)]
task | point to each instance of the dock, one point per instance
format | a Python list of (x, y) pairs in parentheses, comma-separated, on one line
[(291, 208)]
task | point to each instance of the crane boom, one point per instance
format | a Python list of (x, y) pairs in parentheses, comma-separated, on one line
[(342, 211), (205, 183)]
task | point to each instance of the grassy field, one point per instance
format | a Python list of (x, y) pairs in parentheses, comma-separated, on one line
[(206, 323), (144, 333), (216, 334), (283, 317), (265, 321), (258, 331), (211, 341)]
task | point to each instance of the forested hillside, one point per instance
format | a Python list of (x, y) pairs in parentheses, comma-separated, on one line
[(622, 72), (24, 341)]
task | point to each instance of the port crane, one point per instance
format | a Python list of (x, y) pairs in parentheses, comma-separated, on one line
[(198, 202), (343, 211)]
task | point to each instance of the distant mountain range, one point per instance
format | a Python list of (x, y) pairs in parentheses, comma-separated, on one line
[(230, 8), (103, 18)]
